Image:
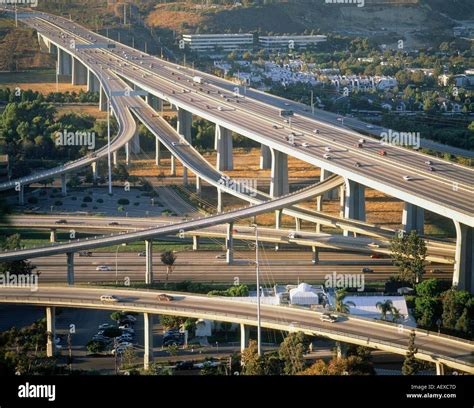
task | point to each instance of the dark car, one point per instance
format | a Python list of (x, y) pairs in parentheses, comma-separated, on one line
[(85, 253), (184, 365), (367, 270), (61, 222)]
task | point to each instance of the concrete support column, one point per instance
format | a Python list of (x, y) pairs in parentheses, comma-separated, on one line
[(185, 175), (43, 43), (220, 206), (136, 143), (148, 341), (64, 63), (102, 100), (155, 102), (298, 224), (195, 243), (93, 84), (185, 121), (354, 206), (315, 258), (95, 171), (21, 195), (229, 243), (127, 153), (265, 157), (115, 158), (63, 185), (198, 185), (278, 214), (341, 200), (439, 369), (279, 178), (224, 147), (173, 165), (413, 218), (79, 73), (463, 277), (244, 337), (53, 49), (52, 235), (70, 268), (157, 151), (149, 262), (50, 330)]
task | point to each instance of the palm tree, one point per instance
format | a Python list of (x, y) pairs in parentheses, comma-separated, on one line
[(384, 307), (396, 315), (168, 258), (341, 306)]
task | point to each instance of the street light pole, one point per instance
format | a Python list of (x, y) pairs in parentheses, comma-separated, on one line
[(108, 146), (257, 270)]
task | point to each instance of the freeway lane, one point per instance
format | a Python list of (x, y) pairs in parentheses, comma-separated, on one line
[(380, 335), (203, 266)]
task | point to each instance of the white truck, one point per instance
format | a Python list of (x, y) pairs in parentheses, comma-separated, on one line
[(198, 79)]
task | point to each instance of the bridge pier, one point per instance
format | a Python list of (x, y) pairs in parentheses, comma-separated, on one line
[(439, 368), (224, 147), (198, 185), (195, 243), (184, 124), (331, 194), (79, 72), (63, 185), (52, 235), (315, 257), (279, 178), (463, 277), (342, 189), (136, 143), (244, 337), (127, 153), (220, 206), (93, 84), (95, 171), (185, 175), (148, 343), (265, 157), (413, 218), (149, 262), (102, 99), (155, 102), (70, 268), (43, 43), (115, 158), (354, 207), (298, 224), (229, 243), (21, 195), (278, 214), (157, 151), (50, 330), (173, 165), (64, 63)]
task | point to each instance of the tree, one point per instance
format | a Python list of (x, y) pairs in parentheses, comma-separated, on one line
[(409, 253), (116, 316), (251, 361), (22, 267), (454, 305), (410, 365), (95, 346), (168, 258), (341, 306), (129, 357), (385, 308), (292, 351)]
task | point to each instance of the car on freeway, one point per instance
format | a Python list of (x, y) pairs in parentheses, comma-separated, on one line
[(357, 164), (382, 152), (162, 297), (376, 256), (114, 223), (85, 253), (407, 178), (373, 245), (436, 270), (221, 256), (359, 145), (293, 235), (305, 144), (327, 149), (142, 253), (61, 221), (367, 270), (431, 168), (103, 268), (327, 317), (316, 131), (220, 108), (361, 140), (428, 162), (109, 298), (327, 156)]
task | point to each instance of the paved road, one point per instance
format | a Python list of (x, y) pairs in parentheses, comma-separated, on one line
[(380, 335)]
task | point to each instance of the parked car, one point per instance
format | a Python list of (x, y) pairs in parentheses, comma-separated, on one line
[(104, 326), (206, 364), (184, 365)]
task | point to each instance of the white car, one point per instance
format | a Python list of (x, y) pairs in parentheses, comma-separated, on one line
[(328, 149), (220, 108), (108, 298), (407, 178), (103, 268), (327, 156), (206, 364), (306, 144), (361, 140), (293, 235), (131, 318)]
